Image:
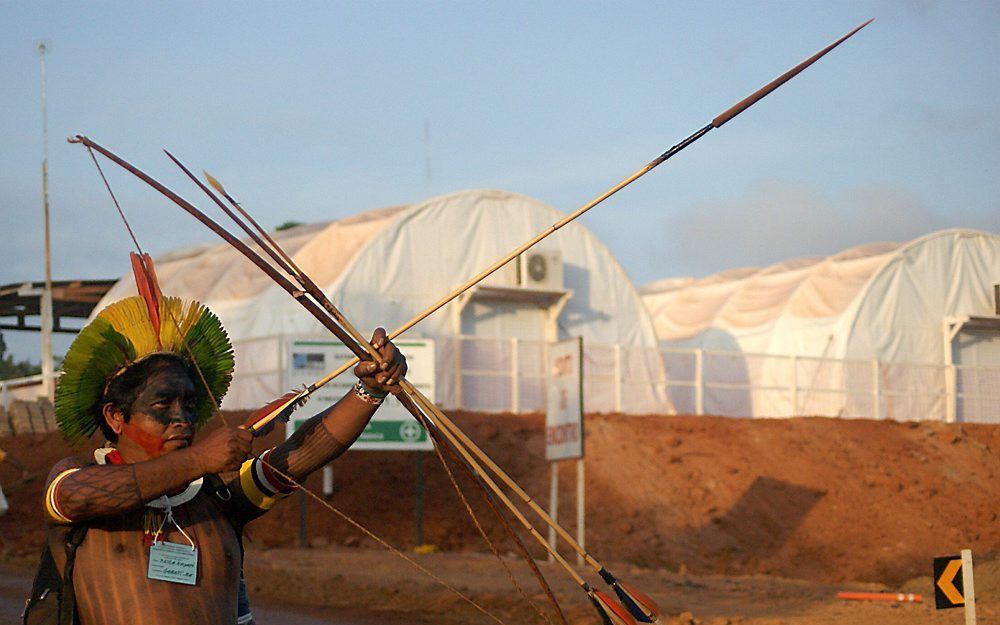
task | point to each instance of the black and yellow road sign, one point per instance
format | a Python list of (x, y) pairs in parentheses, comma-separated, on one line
[(948, 586)]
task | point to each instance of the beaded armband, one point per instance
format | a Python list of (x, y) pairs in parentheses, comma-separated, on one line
[(368, 396)]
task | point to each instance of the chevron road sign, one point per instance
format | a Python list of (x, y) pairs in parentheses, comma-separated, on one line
[(953, 586)]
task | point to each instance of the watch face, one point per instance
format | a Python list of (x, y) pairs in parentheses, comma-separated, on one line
[(537, 267)]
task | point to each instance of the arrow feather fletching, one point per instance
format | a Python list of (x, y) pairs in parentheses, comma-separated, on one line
[(638, 603), (612, 613), (279, 409)]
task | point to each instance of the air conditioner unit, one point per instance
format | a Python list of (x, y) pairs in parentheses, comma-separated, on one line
[(541, 269), (506, 276)]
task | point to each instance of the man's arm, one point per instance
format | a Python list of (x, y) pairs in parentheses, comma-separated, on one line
[(79, 493)]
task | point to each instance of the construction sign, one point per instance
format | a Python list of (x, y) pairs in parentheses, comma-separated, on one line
[(393, 427)]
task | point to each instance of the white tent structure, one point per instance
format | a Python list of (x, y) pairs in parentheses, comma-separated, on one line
[(382, 267), (891, 330)]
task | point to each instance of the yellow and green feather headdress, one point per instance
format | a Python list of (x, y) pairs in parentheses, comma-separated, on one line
[(128, 331)]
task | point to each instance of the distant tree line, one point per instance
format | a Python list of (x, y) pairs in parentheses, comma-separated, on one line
[(11, 369)]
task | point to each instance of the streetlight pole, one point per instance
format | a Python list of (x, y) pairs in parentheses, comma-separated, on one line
[(45, 305)]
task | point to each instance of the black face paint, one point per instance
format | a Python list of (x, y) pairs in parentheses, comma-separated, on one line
[(168, 397)]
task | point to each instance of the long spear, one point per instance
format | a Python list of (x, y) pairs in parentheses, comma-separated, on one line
[(717, 122)]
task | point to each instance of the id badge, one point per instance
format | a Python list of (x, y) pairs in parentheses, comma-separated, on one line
[(172, 562)]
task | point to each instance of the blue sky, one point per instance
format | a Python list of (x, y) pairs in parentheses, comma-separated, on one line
[(313, 111)]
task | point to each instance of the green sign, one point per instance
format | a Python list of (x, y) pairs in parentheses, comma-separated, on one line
[(405, 432), (392, 427)]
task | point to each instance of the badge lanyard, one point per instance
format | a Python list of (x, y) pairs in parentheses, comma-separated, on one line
[(172, 562)]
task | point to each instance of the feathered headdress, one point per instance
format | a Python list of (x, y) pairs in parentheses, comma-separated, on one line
[(130, 330)]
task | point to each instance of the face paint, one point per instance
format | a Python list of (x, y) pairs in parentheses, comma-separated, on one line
[(150, 443), (163, 413)]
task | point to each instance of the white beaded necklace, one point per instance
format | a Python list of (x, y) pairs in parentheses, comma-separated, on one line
[(163, 502)]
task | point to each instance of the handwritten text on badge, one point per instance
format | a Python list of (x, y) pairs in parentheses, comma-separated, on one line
[(171, 562)]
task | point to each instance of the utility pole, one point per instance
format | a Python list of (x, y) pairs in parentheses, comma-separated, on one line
[(427, 158), (45, 305)]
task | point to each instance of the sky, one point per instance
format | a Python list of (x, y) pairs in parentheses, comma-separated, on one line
[(312, 111)]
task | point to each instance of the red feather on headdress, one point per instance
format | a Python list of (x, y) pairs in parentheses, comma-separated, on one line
[(149, 289)]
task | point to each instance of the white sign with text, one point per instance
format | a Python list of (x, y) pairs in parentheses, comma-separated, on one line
[(392, 427), (564, 417)]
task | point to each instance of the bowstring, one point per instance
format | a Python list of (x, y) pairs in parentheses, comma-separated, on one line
[(170, 313), (288, 478), (482, 532)]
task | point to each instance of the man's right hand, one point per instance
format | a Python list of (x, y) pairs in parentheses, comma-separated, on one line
[(223, 449)]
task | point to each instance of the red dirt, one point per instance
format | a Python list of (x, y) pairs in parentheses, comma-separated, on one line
[(669, 500)]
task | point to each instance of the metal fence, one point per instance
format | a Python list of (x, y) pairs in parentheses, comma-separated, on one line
[(509, 375)]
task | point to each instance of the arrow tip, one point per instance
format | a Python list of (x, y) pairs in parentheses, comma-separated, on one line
[(860, 27), (215, 183), (780, 80)]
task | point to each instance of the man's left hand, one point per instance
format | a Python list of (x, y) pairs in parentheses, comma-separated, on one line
[(382, 378)]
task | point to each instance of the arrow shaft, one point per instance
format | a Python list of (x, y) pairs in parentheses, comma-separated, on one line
[(715, 123), (253, 235)]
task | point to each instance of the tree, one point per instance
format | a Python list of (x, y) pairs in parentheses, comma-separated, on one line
[(11, 369)]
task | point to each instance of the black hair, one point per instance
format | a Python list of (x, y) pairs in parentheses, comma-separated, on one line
[(123, 389)]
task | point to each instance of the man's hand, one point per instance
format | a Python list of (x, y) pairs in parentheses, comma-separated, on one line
[(384, 378), (223, 449)]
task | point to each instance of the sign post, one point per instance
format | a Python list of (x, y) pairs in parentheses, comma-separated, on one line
[(953, 584), (392, 428), (564, 426)]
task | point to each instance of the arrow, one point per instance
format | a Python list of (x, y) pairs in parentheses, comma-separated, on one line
[(947, 585), (716, 122), (640, 605)]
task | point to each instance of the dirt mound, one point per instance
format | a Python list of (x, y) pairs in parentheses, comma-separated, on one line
[(811, 498)]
